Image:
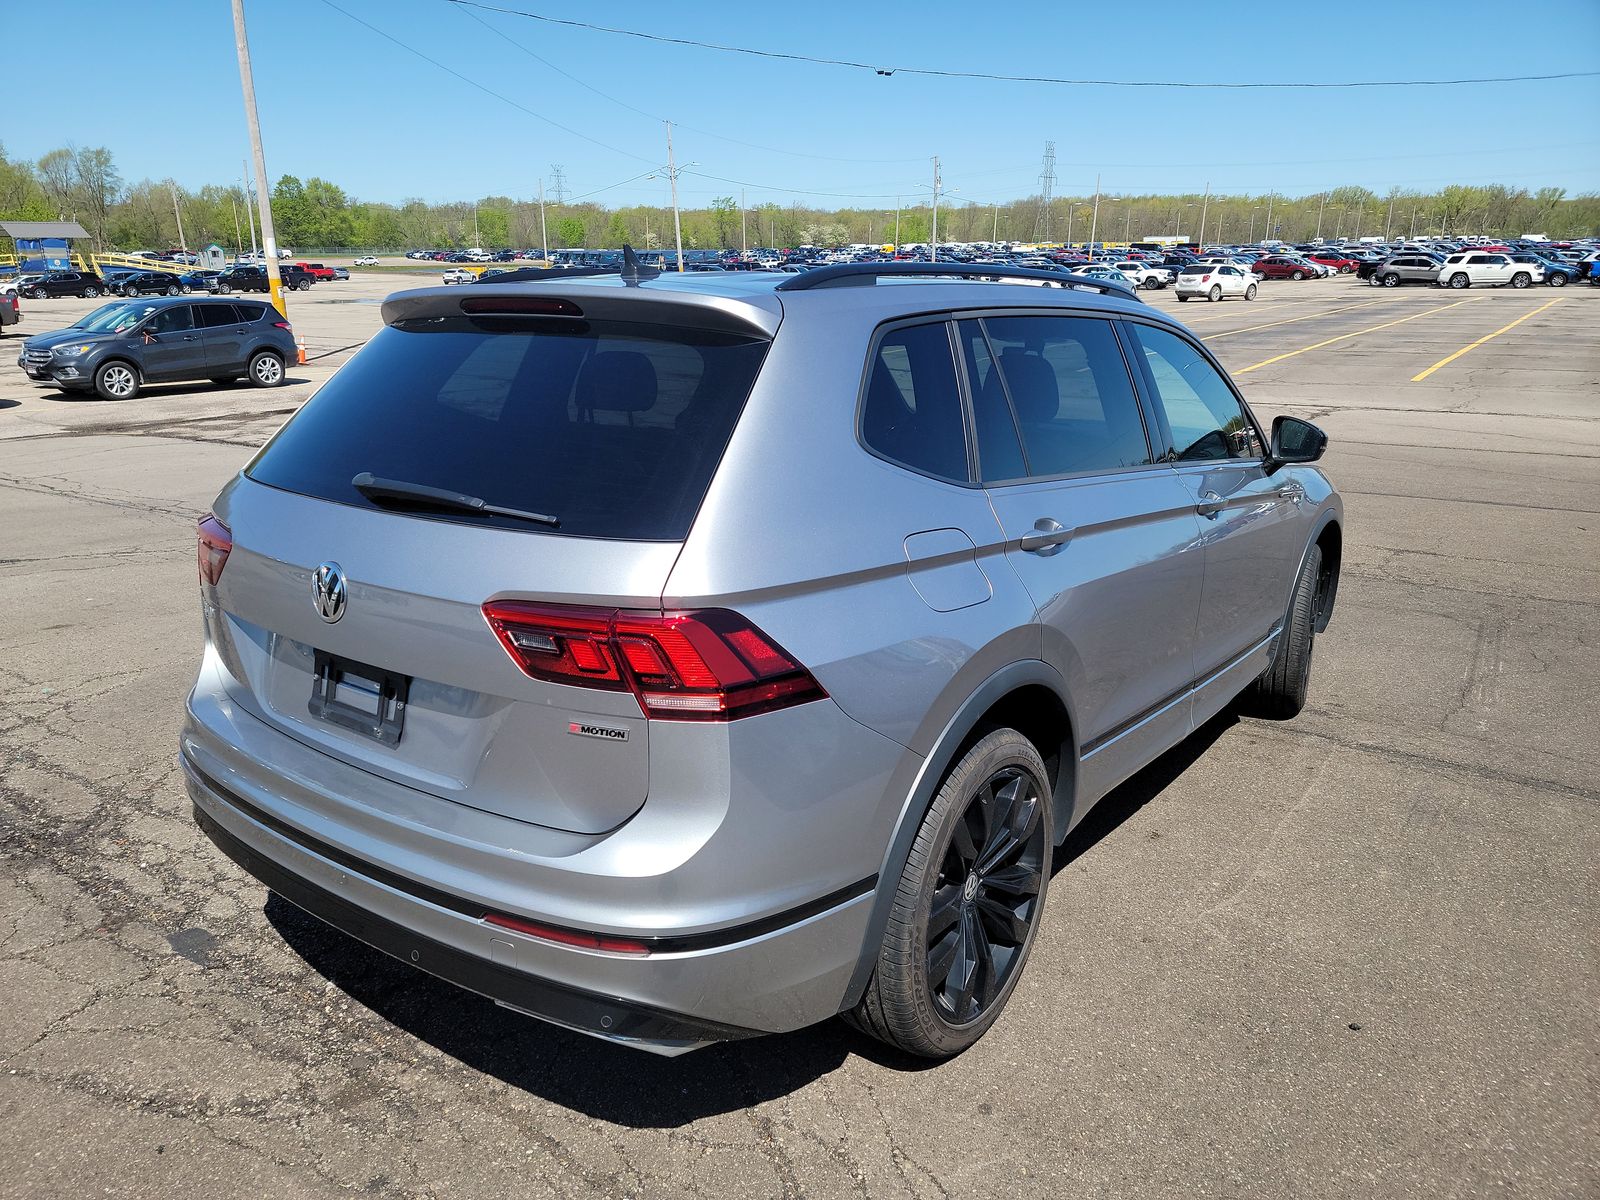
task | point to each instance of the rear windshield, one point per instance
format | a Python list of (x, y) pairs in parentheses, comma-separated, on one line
[(1203, 269), (613, 428)]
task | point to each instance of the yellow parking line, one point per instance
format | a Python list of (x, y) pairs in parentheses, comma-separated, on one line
[(1344, 337), (1292, 320), (1445, 362)]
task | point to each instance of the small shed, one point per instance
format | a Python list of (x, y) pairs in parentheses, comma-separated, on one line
[(43, 245), (213, 258)]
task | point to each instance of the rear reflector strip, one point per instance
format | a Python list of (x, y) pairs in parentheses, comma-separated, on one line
[(569, 937)]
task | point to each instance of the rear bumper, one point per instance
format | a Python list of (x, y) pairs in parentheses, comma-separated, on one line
[(608, 1017), (292, 818)]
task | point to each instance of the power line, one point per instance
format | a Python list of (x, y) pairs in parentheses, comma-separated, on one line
[(986, 75), (486, 90), (511, 41)]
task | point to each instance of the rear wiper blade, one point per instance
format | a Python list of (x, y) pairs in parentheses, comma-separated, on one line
[(374, 488)]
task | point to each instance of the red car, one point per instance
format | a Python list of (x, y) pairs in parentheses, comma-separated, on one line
[(316, 270), (1276, 266), (1332, 258)]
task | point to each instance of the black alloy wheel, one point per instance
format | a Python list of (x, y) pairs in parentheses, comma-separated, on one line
[(987, 896)]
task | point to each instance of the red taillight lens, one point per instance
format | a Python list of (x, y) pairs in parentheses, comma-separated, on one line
[(570, 937), (214, 543), (708, 665), (283, 325), (1203, 278)]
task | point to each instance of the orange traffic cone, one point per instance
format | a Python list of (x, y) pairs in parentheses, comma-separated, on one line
[(301, 347)]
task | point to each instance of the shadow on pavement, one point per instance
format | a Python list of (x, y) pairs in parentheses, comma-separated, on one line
[(629, 1087)]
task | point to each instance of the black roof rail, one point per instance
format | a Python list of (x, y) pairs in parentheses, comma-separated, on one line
[(854, 274)]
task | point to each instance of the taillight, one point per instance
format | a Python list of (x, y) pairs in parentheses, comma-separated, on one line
[(706, 665), (569, 937), (214, 543), (284, 325), (1203, 278)]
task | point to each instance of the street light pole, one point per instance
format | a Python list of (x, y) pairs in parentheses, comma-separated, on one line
[(1204, 204), (1094, 222), (544, 233), (248, 84), (744, 235), (1320, 207), (933, 246)]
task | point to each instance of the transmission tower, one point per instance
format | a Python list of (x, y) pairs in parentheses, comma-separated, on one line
[(1047, 187), (558, 184)]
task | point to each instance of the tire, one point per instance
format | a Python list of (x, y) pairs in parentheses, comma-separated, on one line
[(1183, 299), (184, 289), (266, 369), (1280, 691), (89, 293), (1459, 280), (130, 292), (1150, 285), (1298, 275), (914, 1000), (1521, 280), (1391, 280), (1557, 280), (223, 380), (1215, 293), (1250, 292), (303, 286), (116, 380), (172, 289)]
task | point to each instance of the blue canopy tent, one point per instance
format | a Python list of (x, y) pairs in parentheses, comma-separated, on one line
[(43, 245)]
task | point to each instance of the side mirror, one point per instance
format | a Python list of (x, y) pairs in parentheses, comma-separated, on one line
[(1295, 441)]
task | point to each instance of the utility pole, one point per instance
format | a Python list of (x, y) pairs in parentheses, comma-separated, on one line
[(238, 233), (1267, 233), (1320, 207), (994, 235), (933, 246), (182, 242), (1094, 221), (897, 224), (1388, 220), (672, 174), (1252, 236), (248, 83), (544, 233), (744, 237), (476, 242), (1413, 236), (1204, 204), (1127, 224)]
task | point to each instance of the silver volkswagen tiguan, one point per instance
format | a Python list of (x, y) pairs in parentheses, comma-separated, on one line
[(683, 658)]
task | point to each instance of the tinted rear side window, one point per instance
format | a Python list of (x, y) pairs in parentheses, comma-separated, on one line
[(210, 316), (613, 428), (1071, 394), (912, 411)]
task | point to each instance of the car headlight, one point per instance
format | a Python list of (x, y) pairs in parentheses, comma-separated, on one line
[(73, 351)]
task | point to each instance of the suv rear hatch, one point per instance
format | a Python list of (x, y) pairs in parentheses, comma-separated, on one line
[(352, 617)]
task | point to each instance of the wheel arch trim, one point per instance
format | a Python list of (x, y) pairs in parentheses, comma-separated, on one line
[(930, 775)]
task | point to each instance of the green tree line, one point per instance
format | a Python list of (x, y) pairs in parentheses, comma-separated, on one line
[(313, 214)]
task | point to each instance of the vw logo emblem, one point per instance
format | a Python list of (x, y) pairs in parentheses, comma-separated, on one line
[(328, 591)]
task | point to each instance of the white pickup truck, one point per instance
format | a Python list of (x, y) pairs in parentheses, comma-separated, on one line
[(1487, 269)]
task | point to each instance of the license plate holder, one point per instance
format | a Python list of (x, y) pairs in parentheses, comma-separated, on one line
[(357, 696)]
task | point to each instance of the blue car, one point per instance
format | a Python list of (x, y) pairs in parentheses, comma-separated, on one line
[(1556, 272)]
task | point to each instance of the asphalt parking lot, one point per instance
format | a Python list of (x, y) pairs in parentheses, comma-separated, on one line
[(1351, 955)]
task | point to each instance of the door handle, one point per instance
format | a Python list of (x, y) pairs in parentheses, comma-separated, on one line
[(1209, 505), (189, 337), (1293, 492), (1047, 537)]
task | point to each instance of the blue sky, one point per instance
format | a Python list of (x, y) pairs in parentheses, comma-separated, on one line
[(339, 101)]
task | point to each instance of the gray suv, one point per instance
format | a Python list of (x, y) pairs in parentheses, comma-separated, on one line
[(684, 658), (121, 346)]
